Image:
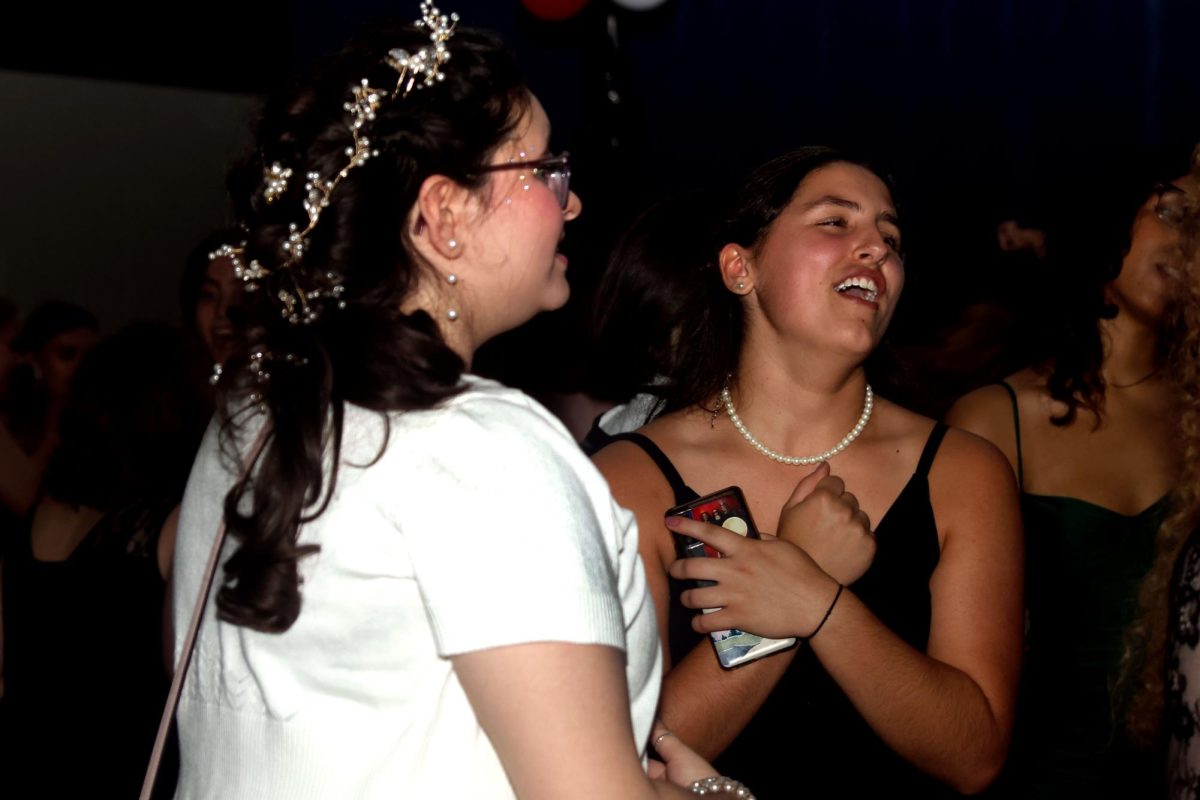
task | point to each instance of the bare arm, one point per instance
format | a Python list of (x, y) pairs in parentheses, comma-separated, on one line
[(987, 412), (558, 716), (704, 705), (708, 706), (948, 711)]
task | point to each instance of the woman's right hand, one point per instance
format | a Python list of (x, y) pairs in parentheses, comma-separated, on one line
[(768, 586), (680, 764), (824, 520)]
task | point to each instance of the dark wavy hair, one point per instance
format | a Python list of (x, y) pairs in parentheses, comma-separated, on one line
[(712, 348), (367, 353), (1147, 640), (1085, 254), (1086, 248), (653, 279)]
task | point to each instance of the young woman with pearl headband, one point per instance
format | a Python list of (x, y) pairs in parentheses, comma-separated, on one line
[(427, 590)]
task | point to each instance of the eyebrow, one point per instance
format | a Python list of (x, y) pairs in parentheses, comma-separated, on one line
[(1166, 188), (833, 200), (841, 202)]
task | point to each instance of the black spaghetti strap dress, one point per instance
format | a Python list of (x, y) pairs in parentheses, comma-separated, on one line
[(807, 740)]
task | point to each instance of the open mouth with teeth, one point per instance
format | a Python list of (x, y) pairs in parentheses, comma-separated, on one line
[(861, 287)]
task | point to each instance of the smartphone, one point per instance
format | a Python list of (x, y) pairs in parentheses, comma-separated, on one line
[(728, 509)]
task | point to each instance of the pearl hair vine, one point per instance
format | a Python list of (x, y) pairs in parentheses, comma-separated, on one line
[(302, 297), (424, 68), (298, 302)]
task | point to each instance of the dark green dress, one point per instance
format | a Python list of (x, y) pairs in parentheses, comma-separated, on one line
[(1084, 564)]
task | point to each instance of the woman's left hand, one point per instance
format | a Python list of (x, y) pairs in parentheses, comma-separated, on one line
[(769, 587)]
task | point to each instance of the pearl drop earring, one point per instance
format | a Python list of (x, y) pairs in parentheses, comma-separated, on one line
[(452, 279)]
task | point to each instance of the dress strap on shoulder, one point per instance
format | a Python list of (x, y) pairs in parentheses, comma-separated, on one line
[(683, 492), (931, 447), (596, 439), (1012, 395)]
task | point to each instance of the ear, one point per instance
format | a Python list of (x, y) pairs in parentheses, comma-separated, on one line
[(439, 216), (734, 263)]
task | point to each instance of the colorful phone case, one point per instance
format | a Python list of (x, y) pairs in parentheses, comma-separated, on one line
[(728, 509)]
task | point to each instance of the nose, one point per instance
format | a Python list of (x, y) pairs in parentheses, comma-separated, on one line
[(236, 315), (872, 249), (223, 306), (574, 207)]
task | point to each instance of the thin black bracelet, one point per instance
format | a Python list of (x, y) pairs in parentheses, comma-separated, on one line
[(829, 611)]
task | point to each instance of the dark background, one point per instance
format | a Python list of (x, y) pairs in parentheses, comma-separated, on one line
[(982, 110)]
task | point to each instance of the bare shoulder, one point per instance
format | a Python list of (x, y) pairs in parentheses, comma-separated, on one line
[(633, 477), (972, 488), (640, 486), (988, 411), (896, 421), (909, 432), (628, 469), (982, 410), (966, 456), (964, 465), (1027, 382)]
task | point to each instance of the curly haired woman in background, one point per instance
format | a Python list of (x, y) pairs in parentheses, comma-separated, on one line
[(1163, 645), (1092, 438)]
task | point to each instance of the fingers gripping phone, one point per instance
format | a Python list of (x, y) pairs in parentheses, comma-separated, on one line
[(728, 509)]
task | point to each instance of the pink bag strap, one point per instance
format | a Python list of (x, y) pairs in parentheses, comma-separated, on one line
[(189, 642)]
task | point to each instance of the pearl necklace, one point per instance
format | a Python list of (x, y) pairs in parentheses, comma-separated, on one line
[(868, 406)]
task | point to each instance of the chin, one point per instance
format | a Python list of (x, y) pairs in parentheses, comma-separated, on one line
[(558, 295), (859, 346)]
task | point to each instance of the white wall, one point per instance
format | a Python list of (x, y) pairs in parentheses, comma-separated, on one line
[(105, 187)]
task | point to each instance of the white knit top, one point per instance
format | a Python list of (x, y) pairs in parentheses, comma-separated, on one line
[(481, 525)]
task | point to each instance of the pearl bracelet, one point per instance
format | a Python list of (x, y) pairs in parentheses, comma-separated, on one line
[(718, 784)]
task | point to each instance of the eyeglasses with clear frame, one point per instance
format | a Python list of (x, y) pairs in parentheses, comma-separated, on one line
[(554, 171)]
